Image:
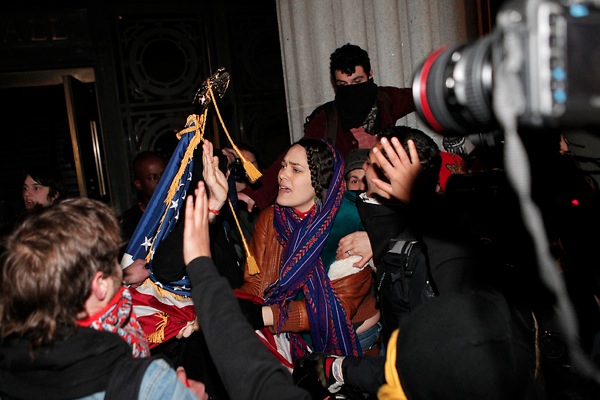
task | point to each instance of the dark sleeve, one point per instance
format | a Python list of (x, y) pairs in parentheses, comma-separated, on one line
[(236, 350), (402, 101), (366, 374)]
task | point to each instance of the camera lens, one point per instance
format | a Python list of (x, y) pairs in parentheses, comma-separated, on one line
[(452, 89), (237, 170)]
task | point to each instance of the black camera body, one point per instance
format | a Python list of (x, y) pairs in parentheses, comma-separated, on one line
[(554, 53), (237, 170)]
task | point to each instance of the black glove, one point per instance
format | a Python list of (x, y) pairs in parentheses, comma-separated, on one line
[(309, 373), (252, 312)]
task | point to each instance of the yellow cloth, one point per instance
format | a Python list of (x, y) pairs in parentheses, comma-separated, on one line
[(392, 390)]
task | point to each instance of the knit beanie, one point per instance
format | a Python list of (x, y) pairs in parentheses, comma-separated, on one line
[(355, 159)]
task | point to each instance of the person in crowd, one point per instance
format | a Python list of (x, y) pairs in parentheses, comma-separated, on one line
[(42, 187), (238, 354), (355, 245), (354, 172), (359, 111), (238, 180), (162, 299), (405, 258), (62, 268), (148, 168), (291, 293)]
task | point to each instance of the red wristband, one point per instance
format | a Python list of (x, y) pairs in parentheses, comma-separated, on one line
[(216, 212)]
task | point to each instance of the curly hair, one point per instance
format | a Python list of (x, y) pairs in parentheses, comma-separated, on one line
[(320, 163), (49, 263), (346, 58)]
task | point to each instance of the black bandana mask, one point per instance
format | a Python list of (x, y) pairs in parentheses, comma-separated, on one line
[(354, 102)]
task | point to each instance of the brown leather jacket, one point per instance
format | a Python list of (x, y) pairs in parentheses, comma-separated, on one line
[(353, 290)]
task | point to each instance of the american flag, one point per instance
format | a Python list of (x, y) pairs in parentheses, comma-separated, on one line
[(164, 309)]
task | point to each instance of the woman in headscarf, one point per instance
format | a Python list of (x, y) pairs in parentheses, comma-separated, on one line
[(292, 294)]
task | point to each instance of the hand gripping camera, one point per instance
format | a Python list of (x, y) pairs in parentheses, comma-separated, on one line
[(554, 53)]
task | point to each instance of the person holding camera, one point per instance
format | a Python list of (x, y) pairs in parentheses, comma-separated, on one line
[(238, 181)]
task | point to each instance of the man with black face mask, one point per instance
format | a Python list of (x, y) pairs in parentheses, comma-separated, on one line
[(360, 110)]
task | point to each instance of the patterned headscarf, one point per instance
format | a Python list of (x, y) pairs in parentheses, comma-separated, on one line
[(302, 270)]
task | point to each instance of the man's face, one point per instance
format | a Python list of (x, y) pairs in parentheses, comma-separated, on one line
[(359, 76), (150, 172), (35, 193), (355, 179)]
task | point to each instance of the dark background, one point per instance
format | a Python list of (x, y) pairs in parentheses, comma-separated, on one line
[(146, 60)]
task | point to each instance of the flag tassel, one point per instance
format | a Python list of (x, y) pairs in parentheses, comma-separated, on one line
[(252, 265), (253, 173)]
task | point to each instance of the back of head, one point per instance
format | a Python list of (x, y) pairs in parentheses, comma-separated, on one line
[(50, 260), (346, 58), (47, 176), (429, 156), (464, 346), (321, 162)]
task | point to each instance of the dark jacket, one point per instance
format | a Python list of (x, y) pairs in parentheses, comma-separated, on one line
[(87, 363), (236, 350)]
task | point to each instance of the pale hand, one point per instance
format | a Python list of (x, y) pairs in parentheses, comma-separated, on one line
[(196, 240)]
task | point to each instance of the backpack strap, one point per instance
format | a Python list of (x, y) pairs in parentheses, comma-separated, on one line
[(331, 120), (397, 265), (331, 124)]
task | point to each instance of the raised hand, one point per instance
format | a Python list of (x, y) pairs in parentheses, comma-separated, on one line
[(215, 179), (196, 240), (400, 169)]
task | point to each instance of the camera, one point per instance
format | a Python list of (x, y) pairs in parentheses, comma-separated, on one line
[(550, 48), (237, 170)]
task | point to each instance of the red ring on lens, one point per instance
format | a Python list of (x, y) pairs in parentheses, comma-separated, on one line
[(427, 64)]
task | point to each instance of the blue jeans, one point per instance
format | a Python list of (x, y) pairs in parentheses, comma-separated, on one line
[(369, 337)]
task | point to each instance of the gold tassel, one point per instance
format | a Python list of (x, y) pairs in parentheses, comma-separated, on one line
[(252, 265), (159, 335), (253, 173)]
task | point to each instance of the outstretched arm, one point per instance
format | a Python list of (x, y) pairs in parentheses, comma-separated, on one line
[(236, 350)]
